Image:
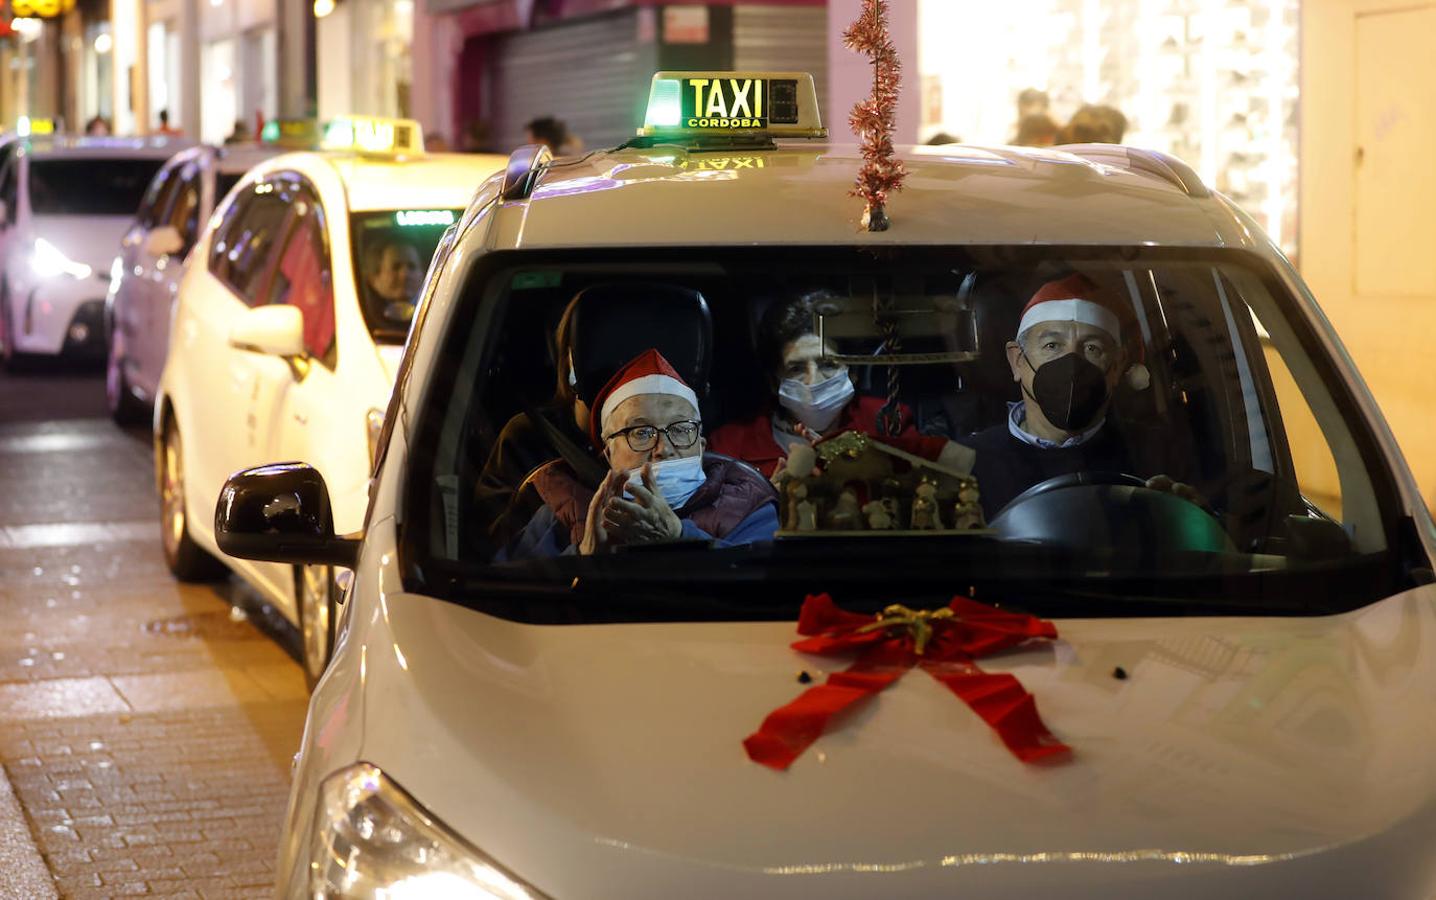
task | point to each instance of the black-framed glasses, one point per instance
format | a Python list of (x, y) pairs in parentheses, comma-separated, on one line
[(642, 438)]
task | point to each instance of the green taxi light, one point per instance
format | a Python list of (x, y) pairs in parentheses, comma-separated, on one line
[(665, 105), (763, 104)]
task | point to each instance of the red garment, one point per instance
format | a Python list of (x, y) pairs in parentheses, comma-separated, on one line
[(752, 441)]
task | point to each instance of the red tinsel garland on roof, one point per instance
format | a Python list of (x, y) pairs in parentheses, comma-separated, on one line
[(872, 119)]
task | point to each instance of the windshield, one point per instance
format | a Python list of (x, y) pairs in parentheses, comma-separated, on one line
[(392, 250), (1090, 432), (90, 187)]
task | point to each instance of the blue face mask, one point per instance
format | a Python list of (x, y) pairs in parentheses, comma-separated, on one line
[(817, 406), (677, 479)]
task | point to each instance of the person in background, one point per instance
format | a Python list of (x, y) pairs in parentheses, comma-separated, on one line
[(814, 398), (660, 488), (1032, 102), (1036, 130), (240, 134), (942, 138), (165, 128), (393, 274), (1094, 124), (99, 126), (553, 133)]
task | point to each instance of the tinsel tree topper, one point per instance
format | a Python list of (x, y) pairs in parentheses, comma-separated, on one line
[(873, 117)]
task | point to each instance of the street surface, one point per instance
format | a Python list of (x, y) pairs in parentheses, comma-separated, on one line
[(146, 727)]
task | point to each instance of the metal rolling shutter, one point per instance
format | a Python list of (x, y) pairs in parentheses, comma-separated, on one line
[(589, 73), (782, 39)]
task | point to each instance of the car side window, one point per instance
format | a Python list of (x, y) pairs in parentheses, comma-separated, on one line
[(304, 276), (243, 252), (8, 182), (156, 199), (184, 210)]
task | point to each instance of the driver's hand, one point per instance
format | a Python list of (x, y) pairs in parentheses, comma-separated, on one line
[(1167, 485)]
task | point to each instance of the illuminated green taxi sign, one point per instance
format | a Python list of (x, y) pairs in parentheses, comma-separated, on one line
[(418, 218), (778, 104), (290, 132), (374, 135)]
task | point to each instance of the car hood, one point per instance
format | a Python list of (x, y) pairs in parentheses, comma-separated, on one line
[(92, 240), (590, 759)]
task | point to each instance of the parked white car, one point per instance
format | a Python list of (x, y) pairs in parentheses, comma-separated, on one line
[(65, 203), (145, 276), (287, 331), (1242, 671)]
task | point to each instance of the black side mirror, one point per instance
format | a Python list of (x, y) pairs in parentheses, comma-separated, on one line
[(281, 513)]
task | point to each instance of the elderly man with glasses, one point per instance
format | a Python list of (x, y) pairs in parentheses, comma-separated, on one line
[(660, 486)]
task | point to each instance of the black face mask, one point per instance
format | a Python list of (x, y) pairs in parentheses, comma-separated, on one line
[(1070, 391)]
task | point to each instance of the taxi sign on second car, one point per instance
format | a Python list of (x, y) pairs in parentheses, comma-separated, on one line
[(780, 104)]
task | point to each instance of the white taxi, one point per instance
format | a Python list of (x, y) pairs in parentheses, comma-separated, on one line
[(145, 275), (65, 203), (1123, 648), (287, 331)]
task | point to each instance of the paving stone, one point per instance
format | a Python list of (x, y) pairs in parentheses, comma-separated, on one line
[(146, 733)]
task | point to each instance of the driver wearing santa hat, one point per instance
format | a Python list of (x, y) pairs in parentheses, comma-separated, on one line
[(1070, 353), (660, 486)]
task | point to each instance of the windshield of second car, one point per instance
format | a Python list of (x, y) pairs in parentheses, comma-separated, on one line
[(392, 250), (90, 187), (1124, 422)]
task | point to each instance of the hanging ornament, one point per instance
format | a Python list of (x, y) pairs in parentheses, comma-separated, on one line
[(872, 118)]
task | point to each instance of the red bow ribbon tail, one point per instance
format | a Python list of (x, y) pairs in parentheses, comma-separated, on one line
[(1004, 704), (791, 729)]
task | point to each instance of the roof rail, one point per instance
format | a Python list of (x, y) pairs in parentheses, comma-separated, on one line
[(1147, 162), (525, 166)]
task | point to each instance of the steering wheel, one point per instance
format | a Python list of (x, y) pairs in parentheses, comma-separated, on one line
[(1110, 510), (1074, 479)]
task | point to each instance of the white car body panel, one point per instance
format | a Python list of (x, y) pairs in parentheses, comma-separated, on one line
[(238, 408), (1242, 757)]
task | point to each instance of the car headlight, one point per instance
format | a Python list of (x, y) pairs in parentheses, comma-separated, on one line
[(117, 271), (374, 423), (372, 840), (48, 261)]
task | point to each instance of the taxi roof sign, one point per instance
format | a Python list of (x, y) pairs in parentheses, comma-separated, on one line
[(26, 126), (702, 104), (374, 135), (290, 132)]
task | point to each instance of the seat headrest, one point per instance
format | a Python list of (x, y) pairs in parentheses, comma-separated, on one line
[(610, 324)]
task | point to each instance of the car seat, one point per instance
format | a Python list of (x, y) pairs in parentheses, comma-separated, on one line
[(613, 323)]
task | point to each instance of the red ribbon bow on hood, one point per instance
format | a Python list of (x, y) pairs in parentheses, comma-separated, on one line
[(943, 643)]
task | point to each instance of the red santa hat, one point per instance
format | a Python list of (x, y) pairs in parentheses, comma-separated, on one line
[(646, 373), (1076, 299)]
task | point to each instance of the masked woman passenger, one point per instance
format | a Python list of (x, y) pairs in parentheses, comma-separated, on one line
[(660, 487), (813, 400)]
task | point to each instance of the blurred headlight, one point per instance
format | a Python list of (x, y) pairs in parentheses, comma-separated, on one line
[(374, 422), (48, 261), (371, 840)]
